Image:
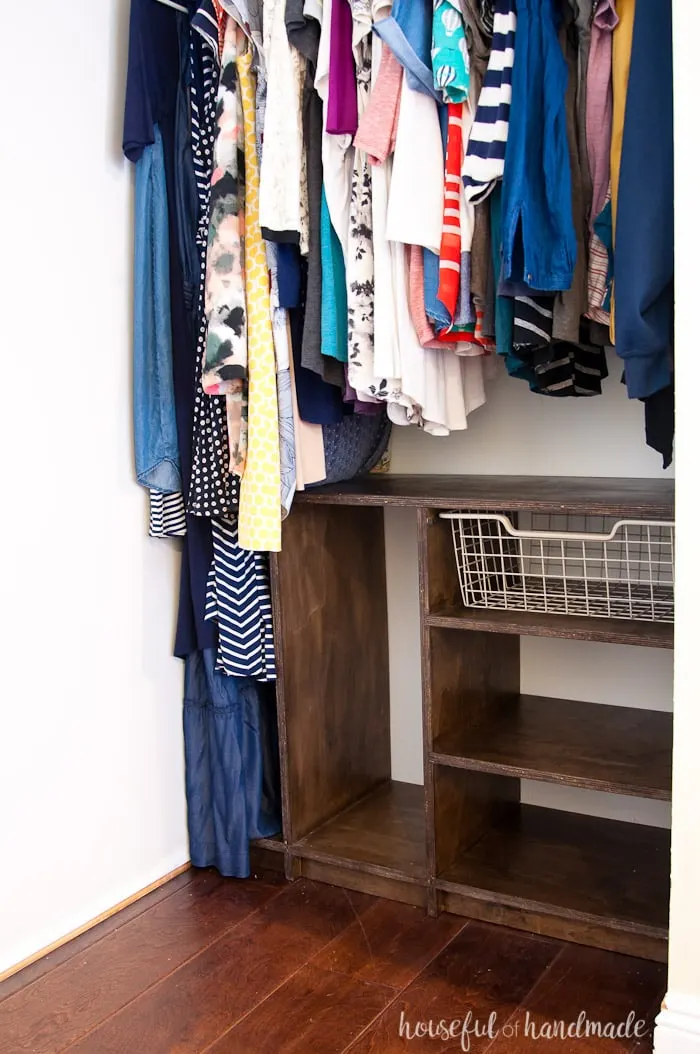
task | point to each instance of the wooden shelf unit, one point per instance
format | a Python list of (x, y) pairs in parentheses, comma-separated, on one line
[(463, 842)]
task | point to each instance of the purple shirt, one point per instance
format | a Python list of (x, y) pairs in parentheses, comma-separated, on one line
[(342, 83)]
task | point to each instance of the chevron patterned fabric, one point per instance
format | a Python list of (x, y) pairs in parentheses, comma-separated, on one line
[(238, 597)]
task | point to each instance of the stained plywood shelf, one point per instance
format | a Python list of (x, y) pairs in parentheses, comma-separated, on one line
[(649, 498), (383, 833), (602, 872), (464, 842), (572, 627), (616, 749)]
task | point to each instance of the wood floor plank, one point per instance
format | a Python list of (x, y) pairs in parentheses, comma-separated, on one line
[(604, 986), (84, 991), (316, 1010), (390, 944), (483, 970), (195, 1005), (80, 944)]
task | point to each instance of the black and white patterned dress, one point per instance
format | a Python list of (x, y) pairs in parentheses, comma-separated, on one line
[(359, 264), (213, 490)]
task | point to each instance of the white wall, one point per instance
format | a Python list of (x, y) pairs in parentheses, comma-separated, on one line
[(91, 771), (521, 433), (684, 951)]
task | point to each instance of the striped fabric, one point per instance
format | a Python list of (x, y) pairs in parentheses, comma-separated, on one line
[(486, 150), (572, 370), (560, 368), (598, 285), (487, 341), (206, 21), (238, 597), (533, 318), (221, 18), (167, 515), (451, 242)]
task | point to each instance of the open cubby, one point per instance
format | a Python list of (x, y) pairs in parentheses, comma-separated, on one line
[(463, 842)]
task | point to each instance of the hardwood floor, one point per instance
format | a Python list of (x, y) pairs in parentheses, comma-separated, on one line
[(212, 965)]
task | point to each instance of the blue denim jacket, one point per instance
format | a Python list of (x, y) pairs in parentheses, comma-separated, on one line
[(155, 433), (539, 241)]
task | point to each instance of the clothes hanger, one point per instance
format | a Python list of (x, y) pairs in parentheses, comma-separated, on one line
[(171, 3)]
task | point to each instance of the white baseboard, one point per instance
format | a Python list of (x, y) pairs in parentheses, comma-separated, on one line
[(678, 1025), (83, 927)]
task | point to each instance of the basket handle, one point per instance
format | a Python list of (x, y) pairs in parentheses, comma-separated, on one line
[(563, 535)]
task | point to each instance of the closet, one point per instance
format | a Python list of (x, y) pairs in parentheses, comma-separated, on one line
[(462, 843), (360, 216)]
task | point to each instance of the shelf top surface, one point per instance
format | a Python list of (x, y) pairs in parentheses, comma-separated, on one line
[(539, 624), (606, 869), (618, 749), (648, 498)]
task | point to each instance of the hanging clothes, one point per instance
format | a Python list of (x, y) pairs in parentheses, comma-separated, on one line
[(230, 784), (417, 173), (157, 94), (359, 263), (450, 63), (644, 250), (229, 738), (449, 53), (484, 159), (539, 241), (599, 102), (166, 515), (408, 31), (225, 370), (376, 136), (334, 296), (151, 105), (622, 52), (342, 88), (377, 126), (289, 472), (570, 302), (599, 111), (451, 241), (225, 366), (212, 490), (579, 14), (259, 513), (336, 155), (304, 35), (155, 431), (238, 597), (283, 205)]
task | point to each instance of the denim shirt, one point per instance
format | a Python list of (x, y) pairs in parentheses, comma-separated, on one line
[(539, 241), (155, 432)]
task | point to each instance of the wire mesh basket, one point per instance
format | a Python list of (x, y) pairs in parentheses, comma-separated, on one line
[(566, 565)]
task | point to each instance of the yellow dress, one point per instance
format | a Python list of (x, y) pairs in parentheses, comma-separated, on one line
[(260, 514), (622, 51)]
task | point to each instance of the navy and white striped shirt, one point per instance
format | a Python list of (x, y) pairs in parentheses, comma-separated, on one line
[(238, 597), (486, 150), (167, 515)]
